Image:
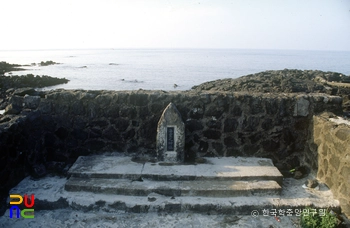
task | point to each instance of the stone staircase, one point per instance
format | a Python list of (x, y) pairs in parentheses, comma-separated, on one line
[(172, 186), (217, 177), (226, 186)]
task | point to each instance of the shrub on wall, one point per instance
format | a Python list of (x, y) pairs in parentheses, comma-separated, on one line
[(328, 220)]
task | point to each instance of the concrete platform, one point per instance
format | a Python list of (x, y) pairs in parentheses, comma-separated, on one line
[(51, 195), (211, 188), (228, 186), (196, 205), (228, 168), (217, 177)]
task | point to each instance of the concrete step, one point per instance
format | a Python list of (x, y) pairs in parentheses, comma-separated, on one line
[(228, 168), (206, 188), (50, 195)]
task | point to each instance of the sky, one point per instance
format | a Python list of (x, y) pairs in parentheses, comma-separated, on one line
[(245, 24)]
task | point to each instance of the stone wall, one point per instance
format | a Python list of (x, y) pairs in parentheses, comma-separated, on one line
[(48, 131), (218, 124), (332, 142)]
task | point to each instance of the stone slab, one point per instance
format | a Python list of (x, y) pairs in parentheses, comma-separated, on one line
[(51, 195), (170, 143), (228, 168), (208, 188)]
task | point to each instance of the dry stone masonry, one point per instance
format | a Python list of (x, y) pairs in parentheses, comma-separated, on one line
[(331, 149)]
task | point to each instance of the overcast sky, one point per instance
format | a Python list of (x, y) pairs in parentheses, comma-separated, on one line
[(252, 24)]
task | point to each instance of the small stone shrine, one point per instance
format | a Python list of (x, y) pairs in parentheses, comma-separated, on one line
[(170, 136)]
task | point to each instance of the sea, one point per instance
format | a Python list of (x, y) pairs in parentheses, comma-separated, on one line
[(166, 69)]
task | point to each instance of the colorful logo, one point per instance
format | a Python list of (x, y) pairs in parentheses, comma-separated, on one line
[(27, 212)]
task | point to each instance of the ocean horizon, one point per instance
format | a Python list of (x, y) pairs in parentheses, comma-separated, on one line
[(166, 69)]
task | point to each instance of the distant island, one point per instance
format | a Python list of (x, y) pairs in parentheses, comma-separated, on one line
[(47, 63)]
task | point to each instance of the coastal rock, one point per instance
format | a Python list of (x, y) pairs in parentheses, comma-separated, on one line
[(17, 100), (3, 104), (22, 85), (47, 63), (287, 80), (13, 109), (31, 102), (29, 80), (24, 91), (7, 67), (284, 81)]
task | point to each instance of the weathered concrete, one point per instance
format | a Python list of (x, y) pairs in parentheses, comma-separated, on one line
[(229, 168), (207, 188), (230, 177), (73, 218), (50, 195)]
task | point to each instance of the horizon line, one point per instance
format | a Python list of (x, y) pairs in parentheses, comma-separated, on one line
[(167, 48)]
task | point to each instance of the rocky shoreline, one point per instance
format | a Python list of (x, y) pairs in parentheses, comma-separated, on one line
[(286, 81), (273, 81), (16, 85), (7, 67)]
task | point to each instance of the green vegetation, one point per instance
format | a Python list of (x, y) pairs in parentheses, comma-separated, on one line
[(310, 220)]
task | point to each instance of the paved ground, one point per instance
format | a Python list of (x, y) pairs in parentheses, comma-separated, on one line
[(219, 168), (84, 209), (70, 218), (51, 188)]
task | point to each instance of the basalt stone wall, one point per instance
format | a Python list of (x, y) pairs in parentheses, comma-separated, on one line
[(47, 132), (331, 141), (217, 124), (66, 124)]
